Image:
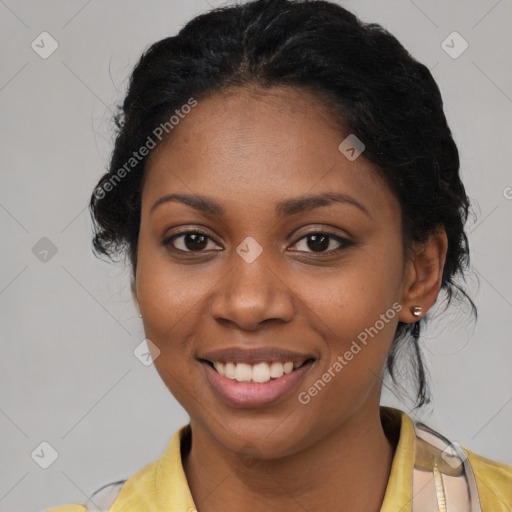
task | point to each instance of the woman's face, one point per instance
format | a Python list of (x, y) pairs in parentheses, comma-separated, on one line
[(261, 278)]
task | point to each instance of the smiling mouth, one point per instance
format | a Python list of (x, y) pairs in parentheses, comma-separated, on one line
[(260, 372)]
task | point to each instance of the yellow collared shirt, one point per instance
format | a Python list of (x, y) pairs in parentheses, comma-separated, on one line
[(162, 485)]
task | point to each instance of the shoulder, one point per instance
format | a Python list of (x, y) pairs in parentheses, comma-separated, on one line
[(494, 482), (140, 491)]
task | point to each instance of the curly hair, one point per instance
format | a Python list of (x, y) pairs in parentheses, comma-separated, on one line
[(373, 87)]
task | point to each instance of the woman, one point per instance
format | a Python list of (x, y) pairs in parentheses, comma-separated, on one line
[(287, 189)]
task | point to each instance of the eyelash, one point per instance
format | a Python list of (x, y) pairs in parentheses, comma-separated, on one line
[(344, 243)]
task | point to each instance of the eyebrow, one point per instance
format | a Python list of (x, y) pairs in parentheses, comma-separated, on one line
[(283, 208)]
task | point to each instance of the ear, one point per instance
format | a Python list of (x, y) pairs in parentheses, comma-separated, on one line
[(133, 287), (423, 275)]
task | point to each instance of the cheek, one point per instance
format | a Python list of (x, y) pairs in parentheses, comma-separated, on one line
[(170, 309), (354, 295), (165, 291), (361, 323), (356, 308), (167, 302)]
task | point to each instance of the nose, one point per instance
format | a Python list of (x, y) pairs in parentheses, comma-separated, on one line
[(251, 294)]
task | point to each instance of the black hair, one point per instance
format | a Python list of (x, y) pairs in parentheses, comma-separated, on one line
[(371, 84)]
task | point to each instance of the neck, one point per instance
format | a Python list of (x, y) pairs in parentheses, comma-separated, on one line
[(335, 473)]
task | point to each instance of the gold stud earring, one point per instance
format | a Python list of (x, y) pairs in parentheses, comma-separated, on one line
[(416, 311)]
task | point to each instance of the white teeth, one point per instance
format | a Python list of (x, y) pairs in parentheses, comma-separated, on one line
[(276, 370), (219, 367), (260, 372), (229, 370), (288, 367), (243, 372)]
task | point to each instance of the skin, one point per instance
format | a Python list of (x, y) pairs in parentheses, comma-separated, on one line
[(248, 150)]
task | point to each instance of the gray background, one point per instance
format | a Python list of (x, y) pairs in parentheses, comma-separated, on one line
[(68, 326)]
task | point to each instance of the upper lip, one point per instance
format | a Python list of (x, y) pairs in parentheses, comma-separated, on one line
[(254, 355)]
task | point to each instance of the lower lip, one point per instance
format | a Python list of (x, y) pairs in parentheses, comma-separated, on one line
[(246, 394)]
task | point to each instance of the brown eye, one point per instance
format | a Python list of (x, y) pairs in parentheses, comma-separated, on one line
[(188, 241), (320, 242)]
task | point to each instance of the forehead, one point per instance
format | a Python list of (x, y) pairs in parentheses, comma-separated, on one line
[(260, 143)]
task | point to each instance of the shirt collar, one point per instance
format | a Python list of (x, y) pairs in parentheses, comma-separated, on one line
[(162, 485), (398, 496)]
